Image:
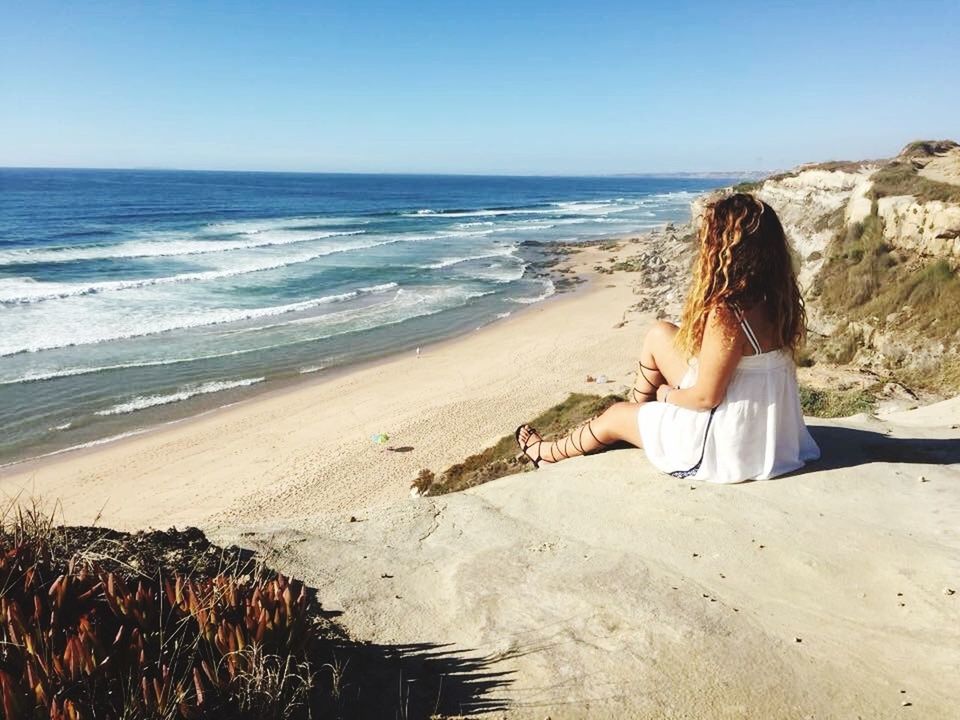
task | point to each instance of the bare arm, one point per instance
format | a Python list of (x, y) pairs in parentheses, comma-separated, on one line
[(720, 353)]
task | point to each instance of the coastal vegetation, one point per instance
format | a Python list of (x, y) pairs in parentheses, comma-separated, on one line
[(97, 624), (877, 289), (864, 278), (501, 459), (830, 403), (900, 177)]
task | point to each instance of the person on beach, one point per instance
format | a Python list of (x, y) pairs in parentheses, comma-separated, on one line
[(716, 398)]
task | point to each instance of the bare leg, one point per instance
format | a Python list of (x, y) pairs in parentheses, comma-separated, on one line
[(659, 363), (618, 422)]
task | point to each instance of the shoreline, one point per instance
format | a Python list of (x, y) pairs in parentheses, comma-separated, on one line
[(565, 282), (276, 387), (163, 415), (562, 287), (84, 479)]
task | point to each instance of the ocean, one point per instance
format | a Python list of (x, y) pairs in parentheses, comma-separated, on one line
[(130, 298)]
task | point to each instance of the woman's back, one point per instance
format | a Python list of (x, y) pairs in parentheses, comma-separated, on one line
[(716, 398), (742, 322)]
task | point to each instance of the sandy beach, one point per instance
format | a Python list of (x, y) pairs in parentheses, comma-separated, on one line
[(306, 448)]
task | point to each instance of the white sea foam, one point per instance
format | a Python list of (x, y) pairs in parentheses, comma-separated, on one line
[(144, 322), (404, 305), (311, 369), (42, 375), (251, 227), (163, 245), (549, 290), (593, 210), (493, 212), (81, 446), (147, 401), (576, 207), (451, 261), (28, 290), (499, 274)]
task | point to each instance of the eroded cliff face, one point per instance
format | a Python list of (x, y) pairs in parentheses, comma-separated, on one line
[(930, 229), (906, 213), (811, 206)]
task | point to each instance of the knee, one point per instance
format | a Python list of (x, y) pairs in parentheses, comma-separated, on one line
[(617, 414), (614, 421), (661, 332)]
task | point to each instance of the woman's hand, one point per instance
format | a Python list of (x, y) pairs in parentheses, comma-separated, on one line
[(662, 392)]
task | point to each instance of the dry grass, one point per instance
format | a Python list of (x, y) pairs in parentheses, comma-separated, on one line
[(101, 625), (847, 166), (901, 178), (858, 261), (835, 403), (831, 220), (749, 186), (926, 148), (864, 279), (631, 264), (500, 459), (944, 377)]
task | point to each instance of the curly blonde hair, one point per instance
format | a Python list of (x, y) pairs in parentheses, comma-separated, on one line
[(743, 260)]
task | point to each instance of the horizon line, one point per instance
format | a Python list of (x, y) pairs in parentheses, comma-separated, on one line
[(674, 173)]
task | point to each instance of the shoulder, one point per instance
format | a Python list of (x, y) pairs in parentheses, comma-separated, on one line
[(723, 323), (723, 316)]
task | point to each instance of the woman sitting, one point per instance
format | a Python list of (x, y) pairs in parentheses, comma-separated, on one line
[(715, 399)]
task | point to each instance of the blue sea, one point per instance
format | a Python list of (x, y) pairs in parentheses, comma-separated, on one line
[(129, 298)]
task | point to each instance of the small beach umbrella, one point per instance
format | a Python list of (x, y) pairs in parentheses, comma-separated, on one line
[(380, 438)]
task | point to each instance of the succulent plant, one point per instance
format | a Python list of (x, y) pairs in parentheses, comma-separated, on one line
[(87, 644)]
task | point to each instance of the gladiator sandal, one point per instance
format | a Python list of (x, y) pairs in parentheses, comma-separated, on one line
[(525, 449), (647, 396), (562, 447)]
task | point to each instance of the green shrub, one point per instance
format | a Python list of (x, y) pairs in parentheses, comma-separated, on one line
[(901, 178), (835, 403)]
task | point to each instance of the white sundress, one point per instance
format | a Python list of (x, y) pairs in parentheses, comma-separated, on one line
[(756, 433)]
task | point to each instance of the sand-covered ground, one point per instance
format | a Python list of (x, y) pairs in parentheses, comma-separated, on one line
[(594, 588)]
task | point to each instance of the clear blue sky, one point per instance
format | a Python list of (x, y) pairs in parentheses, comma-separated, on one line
[(515, 86)]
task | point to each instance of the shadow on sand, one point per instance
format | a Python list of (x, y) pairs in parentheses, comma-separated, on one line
[(842, 447), (412, 681)]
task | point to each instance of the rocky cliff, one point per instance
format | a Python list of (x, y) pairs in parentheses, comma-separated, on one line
[(879, 245)]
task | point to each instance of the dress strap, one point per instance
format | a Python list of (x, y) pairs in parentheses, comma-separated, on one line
[(748, 331)]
